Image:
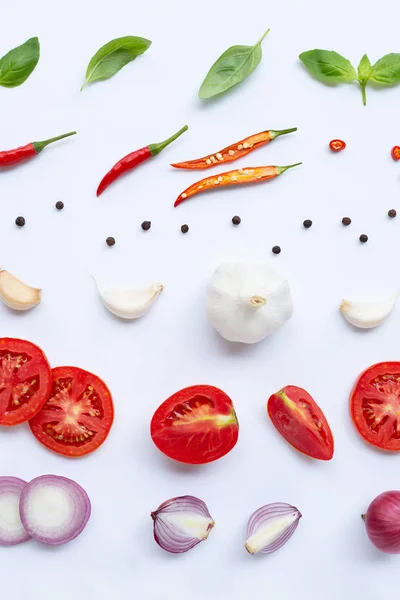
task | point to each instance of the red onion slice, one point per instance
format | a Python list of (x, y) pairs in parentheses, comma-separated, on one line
[(54, 510), (181, 523), (12, 530), (270, 527)]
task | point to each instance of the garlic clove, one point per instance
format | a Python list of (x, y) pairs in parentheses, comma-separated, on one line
[(128, 302), (368, 313), (270, 527), (17, 295)]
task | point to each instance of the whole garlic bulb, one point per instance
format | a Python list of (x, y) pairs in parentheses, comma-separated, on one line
[(247, 302)]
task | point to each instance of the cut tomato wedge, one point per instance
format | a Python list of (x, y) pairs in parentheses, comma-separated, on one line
[(78, 415), (299, 419), (375, 405), (197, 425), (25, 381)]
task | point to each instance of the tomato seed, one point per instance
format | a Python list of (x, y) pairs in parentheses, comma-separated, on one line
[(59, 205), (307, 224), (276, 249), (346, 221), (236, 220), (185, 228), (20, 221), (392, 213), (363, 238), (110, 241), (146, 225)]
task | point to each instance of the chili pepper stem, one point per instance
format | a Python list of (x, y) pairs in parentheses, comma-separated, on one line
[(364, 95), (157, 148), (283, 169), (276, 133), (263, 37), (40, 145)]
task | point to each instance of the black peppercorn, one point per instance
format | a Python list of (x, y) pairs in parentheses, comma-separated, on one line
[(110, 241), (392, 213), (363, 238), (20, 221), (276, 250), (59, 205), (307, 224), (346, 221), (185, 228), (236, 220), (146, 225)]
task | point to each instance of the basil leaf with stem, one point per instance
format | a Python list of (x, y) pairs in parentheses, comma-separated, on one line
[(328, 66), (364, 73), (231, 68), (113, 56), (386, 71), (18, 63)]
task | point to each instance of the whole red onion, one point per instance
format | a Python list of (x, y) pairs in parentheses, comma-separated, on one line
[(382, 521)]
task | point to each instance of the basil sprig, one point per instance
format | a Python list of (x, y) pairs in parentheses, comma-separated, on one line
[(113, 56), (231, 68), (331, 67), (18, 63)]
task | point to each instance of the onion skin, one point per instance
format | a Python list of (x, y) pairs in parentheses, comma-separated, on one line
[(382, 522)]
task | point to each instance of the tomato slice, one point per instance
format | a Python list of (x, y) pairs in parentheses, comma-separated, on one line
[(78, 415), (299, 419), (375, 405), (25, 380), (197, 425)]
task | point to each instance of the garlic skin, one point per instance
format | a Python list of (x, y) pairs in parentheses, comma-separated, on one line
[(17, 295), (247, 302), (368, 313), (128, 302)]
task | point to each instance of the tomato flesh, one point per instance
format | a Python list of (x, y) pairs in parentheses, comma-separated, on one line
[(77, 416), (375, 405), (197, 425), (301, 422), (25, 381)]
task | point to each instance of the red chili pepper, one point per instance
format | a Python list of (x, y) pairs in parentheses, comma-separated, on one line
[(17, 155), (236, 177), (396, 152), (337, 145), (234, 151), (132, 160)]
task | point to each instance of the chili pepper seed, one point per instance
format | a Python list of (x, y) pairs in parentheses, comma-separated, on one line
[(276, 249), (236, 220), (20, 221), (59, 205), (346, 221), (363, 238), (392, 213), (307, 224), (184, 228), (146, 225), (110, 241)]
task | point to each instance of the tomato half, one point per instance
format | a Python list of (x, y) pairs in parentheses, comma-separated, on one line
[(375, 405), (25, 381), (77, 416), (196, 425), (299, 419)]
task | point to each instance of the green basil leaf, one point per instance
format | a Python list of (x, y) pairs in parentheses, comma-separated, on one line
[(364, 69), (231, 68), (328, 66), (113, 56), (18, 64), (387, 70)]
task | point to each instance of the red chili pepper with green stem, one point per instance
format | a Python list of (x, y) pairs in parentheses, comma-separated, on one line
[(132, 160), (17, 155)]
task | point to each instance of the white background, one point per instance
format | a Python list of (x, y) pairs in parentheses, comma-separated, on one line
[(173, 346)]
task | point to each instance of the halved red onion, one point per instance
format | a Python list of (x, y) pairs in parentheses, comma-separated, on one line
[(12, 530), (181, 523), (270, 527), (54, 510), (382, 522)]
